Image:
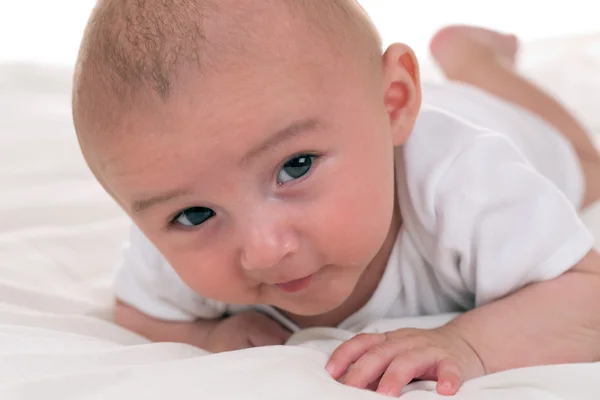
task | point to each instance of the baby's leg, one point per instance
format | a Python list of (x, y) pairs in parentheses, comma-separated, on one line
[(485, 59)]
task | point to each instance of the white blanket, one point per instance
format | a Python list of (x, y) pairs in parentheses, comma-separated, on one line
[(60, 237)]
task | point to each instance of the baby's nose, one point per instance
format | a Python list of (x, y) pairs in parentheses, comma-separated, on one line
[(266, 244)]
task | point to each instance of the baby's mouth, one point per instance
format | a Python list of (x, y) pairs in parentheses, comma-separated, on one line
[(295, 285)]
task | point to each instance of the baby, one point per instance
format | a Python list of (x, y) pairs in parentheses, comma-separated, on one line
[(282, 173)]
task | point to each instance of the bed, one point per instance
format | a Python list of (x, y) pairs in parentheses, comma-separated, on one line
[(60, 238)]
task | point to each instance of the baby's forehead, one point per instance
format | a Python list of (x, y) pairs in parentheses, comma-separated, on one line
[(133, 45), (135, 52)]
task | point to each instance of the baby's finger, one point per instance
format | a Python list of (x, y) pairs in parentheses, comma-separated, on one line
[(371, 365), (406, 367), (449, 377), (350, 351), (373, 385)]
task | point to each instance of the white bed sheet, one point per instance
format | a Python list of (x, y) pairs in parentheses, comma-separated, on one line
[(60, 237)]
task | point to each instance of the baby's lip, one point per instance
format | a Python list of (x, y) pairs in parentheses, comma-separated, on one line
[(275, 280), (282, 281), (295, 285)]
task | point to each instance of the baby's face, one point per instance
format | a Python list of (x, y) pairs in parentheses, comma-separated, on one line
[(274, 185)]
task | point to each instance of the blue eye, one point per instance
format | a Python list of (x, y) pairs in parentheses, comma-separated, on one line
[(295, 168), (194, 216)]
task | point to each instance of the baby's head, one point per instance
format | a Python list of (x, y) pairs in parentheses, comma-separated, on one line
[(251, 141)]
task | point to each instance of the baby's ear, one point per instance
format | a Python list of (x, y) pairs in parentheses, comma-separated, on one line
[(401, 90)]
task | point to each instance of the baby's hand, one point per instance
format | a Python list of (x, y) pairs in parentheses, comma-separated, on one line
[(245, 330), (390, 361)]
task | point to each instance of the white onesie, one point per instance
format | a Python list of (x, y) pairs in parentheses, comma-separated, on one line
[(488, 194)]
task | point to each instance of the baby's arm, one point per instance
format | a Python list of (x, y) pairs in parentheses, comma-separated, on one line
[(528, 259), (241, 331), (194, 333), (551, 322)]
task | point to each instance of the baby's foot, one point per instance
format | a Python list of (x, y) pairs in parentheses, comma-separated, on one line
[(459, 48)]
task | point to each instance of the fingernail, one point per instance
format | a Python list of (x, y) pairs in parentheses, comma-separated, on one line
[(386, 391), (445, 388), (330, 368)]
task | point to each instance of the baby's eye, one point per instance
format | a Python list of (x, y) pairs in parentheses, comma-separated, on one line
[(194, 216), (295, 168)]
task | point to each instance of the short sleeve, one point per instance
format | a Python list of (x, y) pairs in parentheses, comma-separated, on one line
[(504, 224), (147, 282)]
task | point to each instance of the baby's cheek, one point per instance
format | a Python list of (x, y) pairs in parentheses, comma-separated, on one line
[(355, 223)]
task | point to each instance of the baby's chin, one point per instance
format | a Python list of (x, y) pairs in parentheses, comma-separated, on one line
[(311, 310), (324, 299), (324, 310)]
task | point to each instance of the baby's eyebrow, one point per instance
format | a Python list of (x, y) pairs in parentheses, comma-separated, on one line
[(287, 133), (141, 205)]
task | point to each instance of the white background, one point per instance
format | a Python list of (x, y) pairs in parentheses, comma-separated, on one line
[(49, 31)]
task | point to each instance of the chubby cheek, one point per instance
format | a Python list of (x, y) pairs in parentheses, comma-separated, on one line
[(356, 215), (213, 274)]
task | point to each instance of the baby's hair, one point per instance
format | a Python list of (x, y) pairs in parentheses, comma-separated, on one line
[(135, 43), (137, 48)]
